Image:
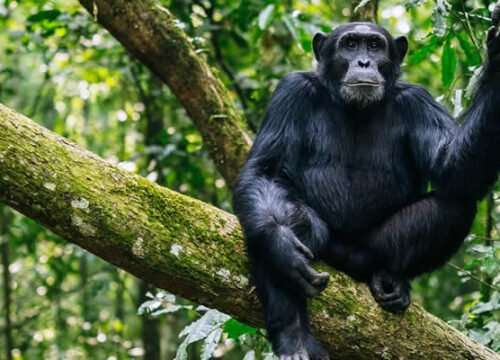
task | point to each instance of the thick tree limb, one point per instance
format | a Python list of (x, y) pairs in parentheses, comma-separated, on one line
[(191, 248), (153, 35)]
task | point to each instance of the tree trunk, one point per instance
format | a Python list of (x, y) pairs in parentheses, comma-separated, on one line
[(191, 248), (150, 331), (119, 296), (6, 279), (150, 326), (152, 34)]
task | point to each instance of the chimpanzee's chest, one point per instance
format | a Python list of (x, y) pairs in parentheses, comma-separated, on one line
[(355, 175)]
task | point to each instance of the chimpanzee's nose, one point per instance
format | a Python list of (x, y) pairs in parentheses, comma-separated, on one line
[(364, 63)]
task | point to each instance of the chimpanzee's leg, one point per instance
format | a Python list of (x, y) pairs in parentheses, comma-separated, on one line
[(283, 236), (419, 238), (286, 318)]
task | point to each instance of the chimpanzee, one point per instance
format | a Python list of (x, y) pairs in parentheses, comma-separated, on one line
[(355, 168)]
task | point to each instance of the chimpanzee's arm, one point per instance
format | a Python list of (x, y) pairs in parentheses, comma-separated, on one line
[(461, 162), (278, 226)]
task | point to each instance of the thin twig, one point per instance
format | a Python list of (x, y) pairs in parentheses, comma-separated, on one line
[(468, 27), (472, 276)]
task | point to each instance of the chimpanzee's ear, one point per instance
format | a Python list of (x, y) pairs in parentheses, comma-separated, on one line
[(401, 47), (318, 40)]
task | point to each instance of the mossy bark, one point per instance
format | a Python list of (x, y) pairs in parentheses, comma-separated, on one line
[(153, 35), (191, 248)]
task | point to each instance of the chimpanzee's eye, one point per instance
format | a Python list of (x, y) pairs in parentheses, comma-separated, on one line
[(351, 43), (373, 44)]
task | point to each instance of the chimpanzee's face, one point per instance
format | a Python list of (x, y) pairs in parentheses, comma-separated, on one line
[(358, 62)]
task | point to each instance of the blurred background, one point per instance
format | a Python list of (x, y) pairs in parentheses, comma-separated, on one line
[(63, 70)]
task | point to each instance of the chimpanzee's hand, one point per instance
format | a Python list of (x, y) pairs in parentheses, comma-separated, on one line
[(493, 39), (293, 261), (391, 292)]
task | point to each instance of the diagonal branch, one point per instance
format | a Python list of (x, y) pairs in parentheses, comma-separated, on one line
[(153, 35), (191, 248)]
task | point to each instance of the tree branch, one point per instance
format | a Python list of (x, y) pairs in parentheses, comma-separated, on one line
[(191, 248), (153, 35)]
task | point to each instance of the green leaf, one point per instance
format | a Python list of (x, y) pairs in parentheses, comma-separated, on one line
[(148, 307), (424, 51), (439, 17), (266, 16), (250, 355), (361, 4), (289, 23), (471, 53), (480, 249), (49, 15), (448, 64), (199, 330), (234, 329), (413, 3), (474, 81), (210, 344)]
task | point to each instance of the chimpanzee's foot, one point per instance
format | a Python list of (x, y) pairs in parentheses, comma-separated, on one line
[(391, 293), (314, 348), (299, 345), (289, 344), (301, 355)]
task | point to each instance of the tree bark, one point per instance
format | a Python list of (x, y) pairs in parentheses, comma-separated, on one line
[(191, 248), (153, 35)]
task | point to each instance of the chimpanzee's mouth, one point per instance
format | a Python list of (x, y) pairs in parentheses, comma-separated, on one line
[(363, 83)]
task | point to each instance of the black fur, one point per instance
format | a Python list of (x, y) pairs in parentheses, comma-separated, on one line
[(329, 181)]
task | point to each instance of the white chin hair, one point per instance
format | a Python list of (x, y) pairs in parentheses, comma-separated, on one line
[(361, 96)]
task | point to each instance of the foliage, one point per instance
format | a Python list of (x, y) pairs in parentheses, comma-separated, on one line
[(58, 66), (209, 329)]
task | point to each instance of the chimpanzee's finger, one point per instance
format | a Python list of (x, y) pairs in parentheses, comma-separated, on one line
[(305, 285), (396, 306), (318, 280), (303, 249), (376, 287)]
